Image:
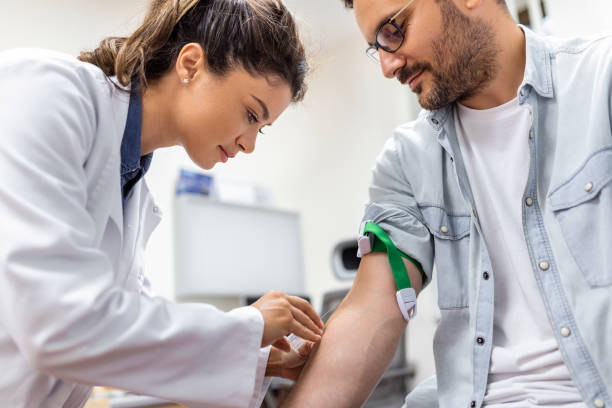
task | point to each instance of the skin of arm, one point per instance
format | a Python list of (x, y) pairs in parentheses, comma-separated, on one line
[(359, 341)]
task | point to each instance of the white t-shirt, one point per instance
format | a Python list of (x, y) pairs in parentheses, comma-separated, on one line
[(526, 369)]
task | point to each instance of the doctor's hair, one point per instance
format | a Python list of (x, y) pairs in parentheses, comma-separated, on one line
[(259, 36)]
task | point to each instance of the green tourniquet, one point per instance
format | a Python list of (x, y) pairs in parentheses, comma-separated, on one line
[(382, 243)]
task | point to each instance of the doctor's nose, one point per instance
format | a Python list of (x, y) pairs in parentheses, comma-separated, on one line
[(390, 63), (246, 141)]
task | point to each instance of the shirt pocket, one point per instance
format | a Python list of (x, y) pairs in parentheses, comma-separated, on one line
[(583, 208), (451, 234)]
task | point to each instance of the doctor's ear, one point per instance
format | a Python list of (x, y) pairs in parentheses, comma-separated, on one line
[(190, 60)]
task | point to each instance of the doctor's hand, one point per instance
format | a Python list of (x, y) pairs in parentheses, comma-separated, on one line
[(287, 363), (285, 314)]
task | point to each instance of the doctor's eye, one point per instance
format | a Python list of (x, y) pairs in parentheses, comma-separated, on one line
[(251, 117)]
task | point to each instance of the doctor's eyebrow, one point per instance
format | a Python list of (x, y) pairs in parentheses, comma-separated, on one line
[(266, 113)]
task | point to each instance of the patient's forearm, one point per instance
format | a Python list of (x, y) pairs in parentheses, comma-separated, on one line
[(353, 354), (358, 344)]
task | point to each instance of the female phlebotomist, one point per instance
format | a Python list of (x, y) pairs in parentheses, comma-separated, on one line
[(76, 139)]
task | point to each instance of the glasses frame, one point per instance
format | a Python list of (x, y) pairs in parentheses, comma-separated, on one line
[(372, 50)]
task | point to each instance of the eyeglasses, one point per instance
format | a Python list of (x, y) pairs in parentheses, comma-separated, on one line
[(389, 37)]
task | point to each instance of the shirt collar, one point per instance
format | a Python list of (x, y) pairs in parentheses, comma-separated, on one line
[(538, 64), (131, 159)]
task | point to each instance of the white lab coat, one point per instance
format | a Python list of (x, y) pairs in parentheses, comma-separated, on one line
[(74, 307)]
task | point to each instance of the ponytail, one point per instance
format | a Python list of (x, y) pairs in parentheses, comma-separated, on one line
[(125, 57), (258, 35)]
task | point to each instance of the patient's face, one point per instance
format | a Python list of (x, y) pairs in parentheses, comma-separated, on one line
[(446, 55)]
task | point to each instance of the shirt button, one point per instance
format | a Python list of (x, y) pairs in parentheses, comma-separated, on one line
[(529, 201), (480, 341), (531, 134), (435, 121), (544, 265), (523, 93), (155, 209), (485, 275), (444, 229), (599, 403), (565, 332), (588, 187)]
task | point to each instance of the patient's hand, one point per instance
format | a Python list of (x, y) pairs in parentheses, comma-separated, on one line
[(285, 362)]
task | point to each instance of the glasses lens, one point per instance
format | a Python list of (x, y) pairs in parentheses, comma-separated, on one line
[(372, 52), (389, 37)]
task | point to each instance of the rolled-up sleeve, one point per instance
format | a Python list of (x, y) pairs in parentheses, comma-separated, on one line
[(393, 207)]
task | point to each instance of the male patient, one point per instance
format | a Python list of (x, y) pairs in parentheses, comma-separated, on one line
[(505, 183)]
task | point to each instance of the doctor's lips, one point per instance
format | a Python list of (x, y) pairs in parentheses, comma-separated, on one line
[(225, 155)]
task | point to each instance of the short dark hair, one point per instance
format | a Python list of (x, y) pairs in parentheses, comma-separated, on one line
[(349, 3)]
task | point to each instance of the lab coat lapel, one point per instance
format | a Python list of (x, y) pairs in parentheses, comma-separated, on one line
[(120, 106), (105, 196), (116, 208)]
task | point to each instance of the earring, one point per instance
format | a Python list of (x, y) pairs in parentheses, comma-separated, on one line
[(185, 80)]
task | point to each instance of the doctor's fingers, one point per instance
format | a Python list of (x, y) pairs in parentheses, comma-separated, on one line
[(305, 349), (307, 329), (282, 344), (305, 307)]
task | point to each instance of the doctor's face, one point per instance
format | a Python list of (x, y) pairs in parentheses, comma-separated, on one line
[(218, 117), (446, 55)]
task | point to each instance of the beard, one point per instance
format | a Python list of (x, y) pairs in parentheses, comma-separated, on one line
[(465, 58)]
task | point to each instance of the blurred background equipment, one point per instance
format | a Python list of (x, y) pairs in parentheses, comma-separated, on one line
[(225, 250)]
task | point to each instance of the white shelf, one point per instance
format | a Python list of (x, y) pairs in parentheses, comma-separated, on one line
[(226, 249)]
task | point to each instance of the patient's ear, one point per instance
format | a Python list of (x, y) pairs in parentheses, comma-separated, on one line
[(472, 4)]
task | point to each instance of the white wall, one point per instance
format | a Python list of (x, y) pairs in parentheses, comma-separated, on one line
[(65, 25), (587, 17), (317, 157)]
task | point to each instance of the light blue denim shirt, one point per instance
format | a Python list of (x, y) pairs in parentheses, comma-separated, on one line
[(420, 185)]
